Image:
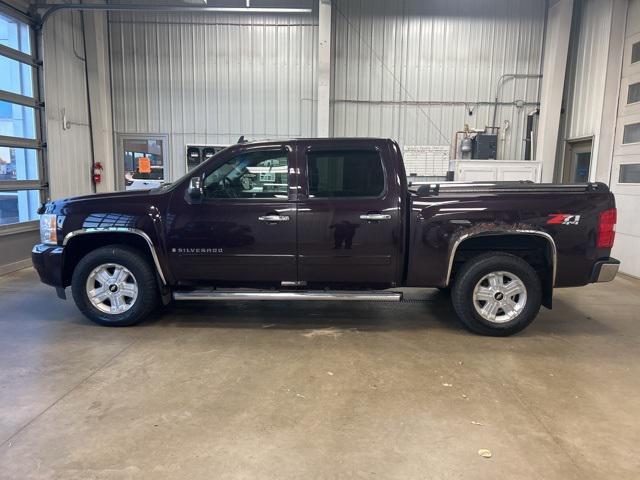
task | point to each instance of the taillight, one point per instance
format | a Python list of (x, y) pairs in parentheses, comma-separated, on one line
[(607, 228)]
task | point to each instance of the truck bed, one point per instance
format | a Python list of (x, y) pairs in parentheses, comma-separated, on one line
[(443, 216)]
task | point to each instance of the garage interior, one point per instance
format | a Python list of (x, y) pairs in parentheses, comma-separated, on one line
[(472, 90)]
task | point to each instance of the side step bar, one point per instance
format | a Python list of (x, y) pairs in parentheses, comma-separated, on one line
[(324, 295)]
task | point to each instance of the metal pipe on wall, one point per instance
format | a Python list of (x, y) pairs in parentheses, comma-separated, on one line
[(458, 103), (163, 8), (501, 79), (87, 83)]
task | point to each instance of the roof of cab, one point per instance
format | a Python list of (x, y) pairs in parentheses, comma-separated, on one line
[(317, 140)]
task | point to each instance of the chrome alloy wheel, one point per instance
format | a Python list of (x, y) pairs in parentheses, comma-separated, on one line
[(499, 297), (112, 288)]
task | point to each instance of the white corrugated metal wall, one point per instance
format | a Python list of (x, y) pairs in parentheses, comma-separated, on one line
[(208, 78), (411, 69), (588, 69), (68, 149)]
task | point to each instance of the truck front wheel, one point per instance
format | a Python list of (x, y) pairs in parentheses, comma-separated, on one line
[(496, 294), (114, 286)]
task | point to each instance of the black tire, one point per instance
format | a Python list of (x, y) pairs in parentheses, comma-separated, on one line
[(473, 271), (145, 279), (445, 290)]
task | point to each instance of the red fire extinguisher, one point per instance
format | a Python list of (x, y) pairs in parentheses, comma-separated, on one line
[(97, 172)]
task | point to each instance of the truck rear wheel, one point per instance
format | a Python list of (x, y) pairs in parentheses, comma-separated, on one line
[(114, 286), (496, 294)]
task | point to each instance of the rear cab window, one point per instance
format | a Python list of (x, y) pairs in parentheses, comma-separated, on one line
[(345, 174)]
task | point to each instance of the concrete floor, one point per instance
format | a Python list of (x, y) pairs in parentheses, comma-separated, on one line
[(319, 390)]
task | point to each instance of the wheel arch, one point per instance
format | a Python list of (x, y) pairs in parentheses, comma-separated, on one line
[(80, 242), (536, 247)]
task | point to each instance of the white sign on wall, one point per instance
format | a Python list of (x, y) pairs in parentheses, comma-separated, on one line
[(426, 160)]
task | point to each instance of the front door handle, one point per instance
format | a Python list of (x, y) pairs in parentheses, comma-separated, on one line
[(274, 218), (375, 217)]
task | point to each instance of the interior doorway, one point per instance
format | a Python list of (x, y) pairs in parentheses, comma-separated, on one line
[(577, 161)]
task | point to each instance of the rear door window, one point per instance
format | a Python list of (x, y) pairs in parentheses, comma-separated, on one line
[(345, 173)]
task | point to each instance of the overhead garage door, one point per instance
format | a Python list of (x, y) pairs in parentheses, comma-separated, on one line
[(625, 175)]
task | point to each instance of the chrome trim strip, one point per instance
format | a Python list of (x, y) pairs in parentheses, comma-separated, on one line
[(608, 272), (324, 295), (288, 283), (549, 238), (375, 217), (274, 218), (134, 231)]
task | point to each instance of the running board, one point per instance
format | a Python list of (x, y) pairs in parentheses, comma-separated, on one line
[(324, 295)]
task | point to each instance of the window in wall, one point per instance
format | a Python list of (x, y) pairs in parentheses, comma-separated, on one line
[(20, 176), (143, 163), (261, 174), (633, 93), (16, 77), (18, 206), (629, 173), (15, 34), (17, 120), (635, 52), (345, 173), (577, 161), (581, 165), (18, 164), (631, 133)]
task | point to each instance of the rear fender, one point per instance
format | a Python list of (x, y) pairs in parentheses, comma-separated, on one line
[(547, 283)]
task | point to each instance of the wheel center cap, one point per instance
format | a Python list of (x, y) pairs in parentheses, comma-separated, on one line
[(113, 288), (499, 296)]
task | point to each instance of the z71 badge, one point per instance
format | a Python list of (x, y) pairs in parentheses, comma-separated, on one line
[(563, 219)]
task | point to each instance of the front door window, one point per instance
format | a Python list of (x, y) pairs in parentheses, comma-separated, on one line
[(260, 174)]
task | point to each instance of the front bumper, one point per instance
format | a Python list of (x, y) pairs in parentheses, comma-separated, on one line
[(47, 260), (605, 270)]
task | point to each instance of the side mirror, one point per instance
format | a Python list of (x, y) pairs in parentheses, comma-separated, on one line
[(194, 192)]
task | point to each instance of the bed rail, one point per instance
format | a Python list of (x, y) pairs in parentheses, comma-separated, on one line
[(429, 189)]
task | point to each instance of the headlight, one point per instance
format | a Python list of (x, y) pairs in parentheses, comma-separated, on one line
[(49, 229)]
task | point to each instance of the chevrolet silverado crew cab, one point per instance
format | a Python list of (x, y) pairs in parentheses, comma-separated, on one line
[(326, 219)]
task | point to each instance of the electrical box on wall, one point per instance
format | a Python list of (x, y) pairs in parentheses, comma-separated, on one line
[(485, 146), (196, 154)]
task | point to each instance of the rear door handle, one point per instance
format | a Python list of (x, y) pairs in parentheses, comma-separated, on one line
[(375, 217), (274, 218)]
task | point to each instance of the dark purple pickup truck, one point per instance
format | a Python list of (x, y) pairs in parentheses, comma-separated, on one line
[(327, 219)]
